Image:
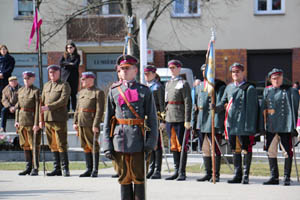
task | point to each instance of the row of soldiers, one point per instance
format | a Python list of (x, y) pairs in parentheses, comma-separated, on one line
[(131, 132)]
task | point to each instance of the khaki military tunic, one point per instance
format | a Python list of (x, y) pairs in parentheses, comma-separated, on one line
[(56, 95), (10, 96), (27, 115), (89, 112)]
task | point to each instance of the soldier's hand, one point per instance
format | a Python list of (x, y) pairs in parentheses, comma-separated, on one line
[(108, 154), (42, 124), (44, 108), (212, 106), (36, 128), (17, 125), (75, 127), (162, 126), (95, 129), (187, 125), (12, 109)]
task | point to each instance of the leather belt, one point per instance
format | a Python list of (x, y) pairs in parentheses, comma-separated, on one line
[(270, 111), (176, 102), (87, 110), (28, 109), (131, 122)]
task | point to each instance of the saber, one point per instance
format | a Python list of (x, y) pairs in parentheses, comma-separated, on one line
[(163, 148), (227, 162), (282, 147), (182, 150), (295, 160)]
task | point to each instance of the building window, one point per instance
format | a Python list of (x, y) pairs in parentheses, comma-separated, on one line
[(111, 9), (267, 7), (23, 8), (186, 8)]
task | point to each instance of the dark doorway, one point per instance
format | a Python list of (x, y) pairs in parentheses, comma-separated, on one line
[(260, 62), (190, 59)]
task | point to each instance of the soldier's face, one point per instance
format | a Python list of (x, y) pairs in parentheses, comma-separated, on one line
[(54, 75), (237, 75), (87, 82), (13, 83), (149, 76), (28, 81), (175, 71), (128, 73), (276, 81)]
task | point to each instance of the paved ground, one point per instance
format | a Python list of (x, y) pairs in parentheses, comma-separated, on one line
[(104, 187)]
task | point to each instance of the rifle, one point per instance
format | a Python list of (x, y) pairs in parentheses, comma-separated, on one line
[(42, 135)]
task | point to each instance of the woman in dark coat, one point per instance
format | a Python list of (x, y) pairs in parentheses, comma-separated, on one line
[(69, 63), (7, 65)]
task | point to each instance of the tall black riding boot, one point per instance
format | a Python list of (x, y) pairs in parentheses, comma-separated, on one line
[(287, 170), (152, 165), (89, 165), (176, 157), (218, 167), (96, 165), (237, 161), (57, 169), (65, 163), (28, 160), (127, 192), (158, 160), (139, 191), (274, 180), (207, 166), (182, 174), (247, 164), (35, 172)]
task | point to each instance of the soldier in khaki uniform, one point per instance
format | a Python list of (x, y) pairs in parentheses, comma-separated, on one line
[(54, 111), (27, 122), (88, 115), (178, 116), (9, 100)]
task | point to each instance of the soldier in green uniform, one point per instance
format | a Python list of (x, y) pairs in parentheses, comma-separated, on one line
[(240, 100), (87, 118), (178, 116), (27, 122), (130, 106), (201, 123), (279, 110), (158, 94), (54, 117)]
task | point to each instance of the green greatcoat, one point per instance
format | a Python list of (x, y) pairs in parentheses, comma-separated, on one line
[(281, 108), (243, 114), (201, 114)]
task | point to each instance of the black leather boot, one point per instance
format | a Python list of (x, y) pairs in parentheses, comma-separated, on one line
[(89, 165), (65, 163), (35, 172), (158, 160), (28, 160), (218, 167), (176, 157), (182, 174), (57, 169), (95, 166), (152, 165), (274, 180), (139, 191), (126, 192), (208, 171), (247, 164), (237, 161), (287, 171)]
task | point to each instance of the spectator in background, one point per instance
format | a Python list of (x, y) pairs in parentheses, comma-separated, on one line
[(9, 100), (69, 63), (196, 82), (296, 86), (7, 65)]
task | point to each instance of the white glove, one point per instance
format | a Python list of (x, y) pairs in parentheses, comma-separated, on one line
[(187, 125), (162, 126), (298, 131)]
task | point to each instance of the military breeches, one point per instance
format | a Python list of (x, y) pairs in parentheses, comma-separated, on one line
[(241, 143), (86, 136), (57, 135), (26, 137), (205, 144), (130, 167), (176, 133), (282, 139)]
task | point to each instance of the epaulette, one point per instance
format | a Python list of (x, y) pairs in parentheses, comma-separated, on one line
[(115, 84)]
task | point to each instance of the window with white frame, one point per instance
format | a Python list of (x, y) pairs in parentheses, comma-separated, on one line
[(106, 9), (186, 8), (23, 8), (266, 7)]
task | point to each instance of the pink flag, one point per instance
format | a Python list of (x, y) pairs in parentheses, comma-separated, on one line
[(35, 28)]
